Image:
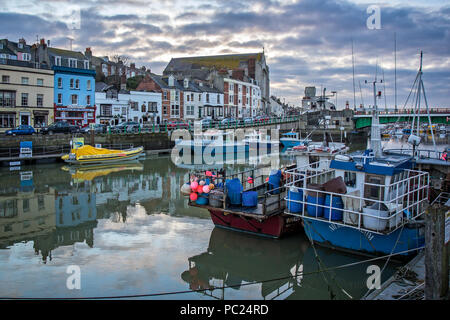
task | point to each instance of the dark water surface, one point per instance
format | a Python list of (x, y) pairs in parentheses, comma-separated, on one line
[(130, 232)]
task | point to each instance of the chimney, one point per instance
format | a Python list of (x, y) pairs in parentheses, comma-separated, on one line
[(22, 41), (88, 53), (186, 83), (132, 65), (42, 42)]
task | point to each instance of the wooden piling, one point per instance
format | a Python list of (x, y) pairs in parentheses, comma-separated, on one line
[(436, 259)]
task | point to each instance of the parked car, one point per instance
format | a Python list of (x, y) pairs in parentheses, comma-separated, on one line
[(248, 121), (228, 121), (206, 123), (177, 125), (128, 126), (262, 119), (60, 127), (21, 130), (98, 128)]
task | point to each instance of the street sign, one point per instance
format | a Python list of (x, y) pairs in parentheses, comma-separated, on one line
[(26, 149)]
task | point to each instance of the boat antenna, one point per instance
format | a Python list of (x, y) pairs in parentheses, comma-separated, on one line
[(395, 69), (353, 65), (360, 90)]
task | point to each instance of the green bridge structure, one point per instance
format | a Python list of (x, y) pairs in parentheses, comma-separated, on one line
[(363, 119)]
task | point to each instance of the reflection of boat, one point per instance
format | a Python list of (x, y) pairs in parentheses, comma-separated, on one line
[(234, 258), (90, 155), (256, 141), (90, 172)]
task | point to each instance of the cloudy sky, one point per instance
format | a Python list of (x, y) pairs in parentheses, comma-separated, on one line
[(307, 42)]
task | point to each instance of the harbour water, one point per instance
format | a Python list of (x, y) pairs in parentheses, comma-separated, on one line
[(130, 232)]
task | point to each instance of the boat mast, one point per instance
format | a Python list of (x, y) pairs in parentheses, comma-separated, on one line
[(375, 135), (353, 64), (395, 69)]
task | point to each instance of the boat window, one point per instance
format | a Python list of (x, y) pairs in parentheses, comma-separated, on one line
[(350, 179), (314, 160), (373, 191)]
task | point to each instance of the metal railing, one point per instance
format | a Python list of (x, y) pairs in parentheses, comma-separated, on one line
[(421, 154), (405, 200)]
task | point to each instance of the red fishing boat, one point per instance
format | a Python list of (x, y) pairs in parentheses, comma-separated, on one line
[(247, 201)]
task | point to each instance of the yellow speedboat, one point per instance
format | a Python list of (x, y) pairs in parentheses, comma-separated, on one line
[(90, 155)]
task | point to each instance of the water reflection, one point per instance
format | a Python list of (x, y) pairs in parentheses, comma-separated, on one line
[(285, 269)]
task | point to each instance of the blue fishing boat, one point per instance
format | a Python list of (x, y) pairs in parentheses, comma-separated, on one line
[(368, 202)]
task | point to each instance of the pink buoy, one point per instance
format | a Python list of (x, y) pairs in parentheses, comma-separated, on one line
[(200, 189), (206, 189), (193, 196), (208, 173), (194, 186)]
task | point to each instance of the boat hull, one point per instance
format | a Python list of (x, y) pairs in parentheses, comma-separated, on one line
[(274, 227), (364, 242), (107, 159), (289, 143)]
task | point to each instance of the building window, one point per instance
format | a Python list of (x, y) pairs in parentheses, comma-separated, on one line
[(7, 120), (192, 97), (25, 80), (7, 99), (106, 110), (190, 110), (26, 57), (187, 97), (58, 61), (175, 111), (218, 99), (86, 64), (143, 108), (24, 99), (88, 100), (5, 79), (71, 83), (40, 100), (207, 97), (72, 63), (177, 96), (165, 110), (59, 98), (40, 82), (77, 84), (74, 99), (59, 82), (134, 106), (165, 95), (89, 84)]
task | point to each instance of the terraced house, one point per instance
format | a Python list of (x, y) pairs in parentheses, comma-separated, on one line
[(74, 83), (26, 87)]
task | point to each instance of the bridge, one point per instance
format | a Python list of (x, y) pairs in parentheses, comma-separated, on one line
[(363, 118)]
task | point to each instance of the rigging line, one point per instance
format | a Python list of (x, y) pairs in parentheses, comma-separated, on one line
[(223, 287)]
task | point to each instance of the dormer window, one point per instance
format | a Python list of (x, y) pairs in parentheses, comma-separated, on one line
[(1, 45), (58, 61), (72, 63), (20, 45), (86, 64)]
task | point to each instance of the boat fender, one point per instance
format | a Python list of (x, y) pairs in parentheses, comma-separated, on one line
[(341, 157)]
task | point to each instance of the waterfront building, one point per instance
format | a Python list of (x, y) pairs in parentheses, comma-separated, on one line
[(74, 83), (245, 67), (276, 107), (201, 100), (115, 106), (242, 99), (26, 88), (172, 95)]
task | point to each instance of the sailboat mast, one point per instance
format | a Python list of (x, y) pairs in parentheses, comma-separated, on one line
[(395, 69), (375, 135), (353, 64)]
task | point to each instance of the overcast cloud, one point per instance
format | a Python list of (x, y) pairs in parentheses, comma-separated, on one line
[(307, 42)]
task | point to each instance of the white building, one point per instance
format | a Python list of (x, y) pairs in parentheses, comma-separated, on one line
[(115, 107), (242, 99), (276, 108)]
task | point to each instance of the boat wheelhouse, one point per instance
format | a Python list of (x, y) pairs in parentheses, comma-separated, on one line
[(361, 203), (292, 139)]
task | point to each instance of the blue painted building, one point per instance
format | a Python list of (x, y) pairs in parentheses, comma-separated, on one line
[(74, 84)]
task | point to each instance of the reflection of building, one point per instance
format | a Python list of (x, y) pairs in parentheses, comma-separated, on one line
[(73, 208), (26, 215)]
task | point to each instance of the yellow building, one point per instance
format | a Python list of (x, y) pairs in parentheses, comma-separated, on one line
[(26, 94)]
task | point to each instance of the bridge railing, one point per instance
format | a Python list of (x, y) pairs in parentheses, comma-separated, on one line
[(402, 111)]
